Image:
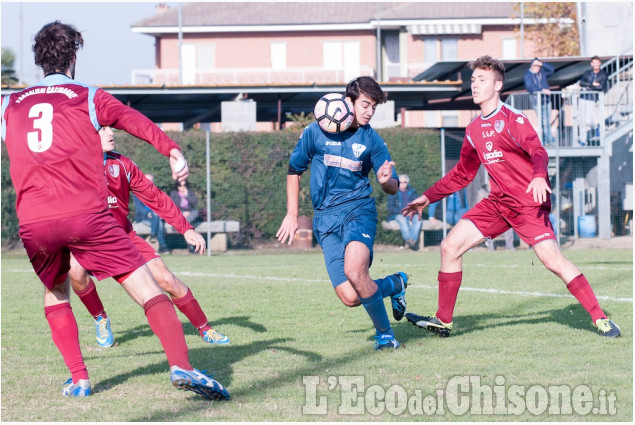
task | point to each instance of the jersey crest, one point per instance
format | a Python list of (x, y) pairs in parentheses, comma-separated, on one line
[(358, 149), (113, 169), (499, 125)]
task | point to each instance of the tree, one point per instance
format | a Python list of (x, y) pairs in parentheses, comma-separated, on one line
[(555, 32), (8, 73)]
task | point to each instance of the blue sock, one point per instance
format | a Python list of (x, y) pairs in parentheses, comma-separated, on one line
[(376, 309), (388, 286)]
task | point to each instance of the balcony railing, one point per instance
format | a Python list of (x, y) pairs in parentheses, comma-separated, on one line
[(247, 76), (567, 119)]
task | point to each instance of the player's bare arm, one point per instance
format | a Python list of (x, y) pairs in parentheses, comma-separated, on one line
[(416, 207), (195, 239), (384, 178), (180, 170), (539, 188), (290, 222)]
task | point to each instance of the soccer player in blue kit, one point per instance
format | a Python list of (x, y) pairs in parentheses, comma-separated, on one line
[(345, 220)]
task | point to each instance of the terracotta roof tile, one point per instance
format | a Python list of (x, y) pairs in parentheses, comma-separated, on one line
[(286, 13)]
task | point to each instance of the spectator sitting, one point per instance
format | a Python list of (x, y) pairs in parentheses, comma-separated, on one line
[(456, 207), (409, 228), (186, 200)]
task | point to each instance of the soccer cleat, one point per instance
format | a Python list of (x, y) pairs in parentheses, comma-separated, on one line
[(105, 337), (399, 300), (430, 323), (214, 337), (80, 389), (384, 341), (197, 381), (607, 328)]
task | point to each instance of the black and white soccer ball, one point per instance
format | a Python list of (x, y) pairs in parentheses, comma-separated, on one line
[(334, 112)]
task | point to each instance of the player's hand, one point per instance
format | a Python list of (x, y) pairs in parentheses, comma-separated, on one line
[(176, 157), (195, 239), (539, 188), (287, 228), (385, 172), (416, 207)]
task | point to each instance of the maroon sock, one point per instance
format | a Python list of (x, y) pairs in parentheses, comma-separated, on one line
[(580, 288), (66, 338), (164, 323), (449, 284), (90, 298), (192, 310)]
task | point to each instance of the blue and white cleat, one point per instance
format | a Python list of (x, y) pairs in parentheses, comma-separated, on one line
[(80, 389), (105, 337), (197, 381), (399, 300), (385, 341), (214, 337)]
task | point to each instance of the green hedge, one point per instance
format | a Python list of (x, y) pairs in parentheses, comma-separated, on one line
[(248, 177)]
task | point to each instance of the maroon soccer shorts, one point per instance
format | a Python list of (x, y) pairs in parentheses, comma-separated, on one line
[(147, 252), (532, 224), (97, 241)]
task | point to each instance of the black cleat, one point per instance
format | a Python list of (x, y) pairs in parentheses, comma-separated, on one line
[(431, 324), (607, 328)]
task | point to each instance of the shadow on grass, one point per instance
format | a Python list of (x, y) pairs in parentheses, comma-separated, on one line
[(574, 316), (142, 331), (220, 362), (224, 358), (242, 321)]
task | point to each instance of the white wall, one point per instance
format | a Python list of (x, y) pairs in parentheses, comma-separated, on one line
[(607, 28)]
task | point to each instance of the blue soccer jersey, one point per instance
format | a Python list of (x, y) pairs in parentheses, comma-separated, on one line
[(340, 163)]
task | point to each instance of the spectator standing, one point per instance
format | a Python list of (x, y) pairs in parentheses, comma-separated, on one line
[(537, 85), (592, 82)]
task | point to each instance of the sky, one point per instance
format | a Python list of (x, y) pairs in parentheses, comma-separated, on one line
[(111, 50)]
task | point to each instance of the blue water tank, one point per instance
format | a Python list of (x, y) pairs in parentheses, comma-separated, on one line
[(586, 226)]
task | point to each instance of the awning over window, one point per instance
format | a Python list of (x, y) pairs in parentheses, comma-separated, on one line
[(449, 28)]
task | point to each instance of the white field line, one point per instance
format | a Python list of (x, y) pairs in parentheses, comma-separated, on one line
[(417, 286), (463, 288)]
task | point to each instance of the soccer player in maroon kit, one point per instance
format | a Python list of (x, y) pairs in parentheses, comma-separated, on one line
[(123, 176), (501, 139), (50, 130)]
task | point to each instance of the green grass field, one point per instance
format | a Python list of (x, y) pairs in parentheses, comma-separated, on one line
[(296, 351)]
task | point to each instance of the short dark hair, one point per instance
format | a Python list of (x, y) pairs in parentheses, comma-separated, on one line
[(55, 47), (366, 85), (490, 64), (595, 58)]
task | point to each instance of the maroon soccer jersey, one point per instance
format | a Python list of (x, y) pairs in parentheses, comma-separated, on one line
[(55, 151), (509, 149), (124, 176)]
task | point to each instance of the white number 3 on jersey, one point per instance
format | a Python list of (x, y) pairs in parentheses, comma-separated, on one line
[(39, 141)]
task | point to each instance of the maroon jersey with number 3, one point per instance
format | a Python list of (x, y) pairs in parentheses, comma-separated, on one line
[(50, 130)]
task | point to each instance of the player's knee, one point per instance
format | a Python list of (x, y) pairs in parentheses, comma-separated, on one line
[(166, 281), (355, 276), (449, 248), (349, 300)]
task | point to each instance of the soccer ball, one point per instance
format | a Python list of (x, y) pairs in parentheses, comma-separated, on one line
[(334, 112)]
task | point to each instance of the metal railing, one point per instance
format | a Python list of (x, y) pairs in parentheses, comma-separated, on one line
[(238, 76), (618, 101), (568, 118)]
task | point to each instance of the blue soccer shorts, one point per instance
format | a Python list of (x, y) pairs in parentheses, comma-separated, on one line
[(338, 226)]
